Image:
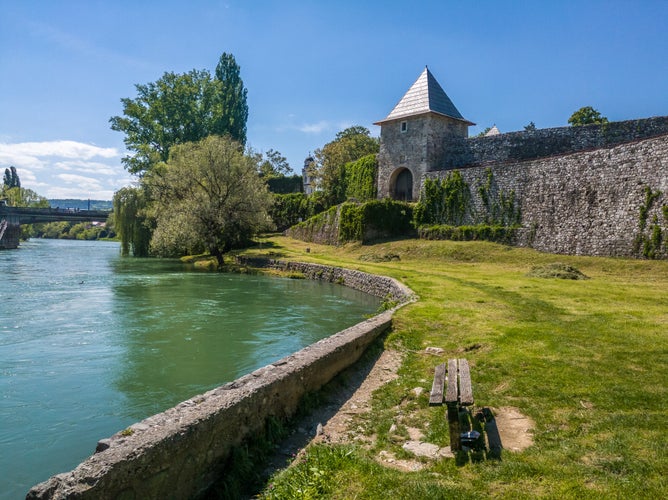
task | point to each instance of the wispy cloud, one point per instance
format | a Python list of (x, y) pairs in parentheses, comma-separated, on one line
[(55, 168), (315, 128)]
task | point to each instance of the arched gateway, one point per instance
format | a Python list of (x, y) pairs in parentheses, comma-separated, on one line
[(401, 185)]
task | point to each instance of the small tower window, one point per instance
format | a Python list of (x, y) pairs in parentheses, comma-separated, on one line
[(404, 126)]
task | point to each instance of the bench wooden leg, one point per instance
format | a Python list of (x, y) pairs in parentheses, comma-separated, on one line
[(455, 431)]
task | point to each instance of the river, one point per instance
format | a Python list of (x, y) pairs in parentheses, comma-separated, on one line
[(91, 342)]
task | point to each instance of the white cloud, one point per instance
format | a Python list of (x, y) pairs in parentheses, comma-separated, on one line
[(315, 128), (62, 149), (89, 183), (71, 169), (88, 167)]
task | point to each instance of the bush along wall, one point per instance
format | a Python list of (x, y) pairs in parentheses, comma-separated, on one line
[(286, 184), (445, 210), (497, 234), (386, 219), (290, 209), (363, 222)]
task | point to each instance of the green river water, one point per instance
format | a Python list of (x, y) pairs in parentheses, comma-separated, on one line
[(91, 343)]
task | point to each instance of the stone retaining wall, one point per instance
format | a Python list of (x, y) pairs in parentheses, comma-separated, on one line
[(181, 452), (378, 286)]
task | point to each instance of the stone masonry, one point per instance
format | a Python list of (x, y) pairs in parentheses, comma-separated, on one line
[(584, 203), (579, 189)]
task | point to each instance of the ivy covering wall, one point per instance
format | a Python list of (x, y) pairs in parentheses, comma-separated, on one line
[(362, 222), (360, 178), (445, 210)]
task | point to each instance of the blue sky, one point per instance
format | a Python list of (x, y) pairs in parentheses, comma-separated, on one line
[(311, 69)]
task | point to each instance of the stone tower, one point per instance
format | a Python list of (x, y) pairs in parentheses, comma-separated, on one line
[(412, 137)]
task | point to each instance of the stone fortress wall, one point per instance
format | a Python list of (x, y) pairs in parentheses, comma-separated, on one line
[(592, 189), (459, 152), (579, 189), (584, 203)]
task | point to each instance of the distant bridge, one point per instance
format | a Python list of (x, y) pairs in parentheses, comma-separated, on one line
[(11, 219)]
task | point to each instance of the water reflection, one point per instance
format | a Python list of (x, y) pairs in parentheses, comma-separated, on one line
[(183, 333), (91, 342)]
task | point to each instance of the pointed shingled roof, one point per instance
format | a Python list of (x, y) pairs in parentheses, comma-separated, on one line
[(425, 96)]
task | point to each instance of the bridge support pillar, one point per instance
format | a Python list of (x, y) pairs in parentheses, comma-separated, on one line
[(10, 232)]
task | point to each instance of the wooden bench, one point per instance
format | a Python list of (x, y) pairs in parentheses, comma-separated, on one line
[(458, 395)]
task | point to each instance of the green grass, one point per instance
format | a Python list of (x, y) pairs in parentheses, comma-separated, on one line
[(585, 359)]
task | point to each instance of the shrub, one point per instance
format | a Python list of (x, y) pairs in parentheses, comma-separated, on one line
[(496, 234), (290, 209), (375, 219), (557, 270), (286, 184)]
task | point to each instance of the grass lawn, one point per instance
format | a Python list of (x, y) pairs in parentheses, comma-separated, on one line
[(586, 360)]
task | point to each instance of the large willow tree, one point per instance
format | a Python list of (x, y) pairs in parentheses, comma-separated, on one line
[(207, 194), (132, 221)]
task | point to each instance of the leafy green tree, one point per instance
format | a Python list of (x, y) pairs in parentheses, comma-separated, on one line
[(530, 127), (273, 164), (208, 193), (22, 197), (180, 108), (586, 116), (233, 106), (328, 169)]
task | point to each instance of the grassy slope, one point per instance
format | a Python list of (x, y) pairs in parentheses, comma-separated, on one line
[(586, 360)]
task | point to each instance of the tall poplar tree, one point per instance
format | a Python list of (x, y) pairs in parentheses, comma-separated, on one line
[(234, 108), (11, 178)]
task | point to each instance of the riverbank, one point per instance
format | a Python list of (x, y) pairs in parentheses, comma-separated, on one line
[(530, 342), (183, 451)]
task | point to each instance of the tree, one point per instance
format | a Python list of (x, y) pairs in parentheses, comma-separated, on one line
[(233, 107), (22, 197), (530, 127), (273, 165), (328, 170), (11, 178), (207, 194), (132, 221), (180, 108), (586, 116), (483, 133)]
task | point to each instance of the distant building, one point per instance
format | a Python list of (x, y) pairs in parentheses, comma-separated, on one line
[(309, 181), (492, 131)]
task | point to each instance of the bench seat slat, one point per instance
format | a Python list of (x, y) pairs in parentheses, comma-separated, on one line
[(465, 389), (451, 392), (436, 396)]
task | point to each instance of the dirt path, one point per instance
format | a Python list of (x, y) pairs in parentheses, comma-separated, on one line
[(350, 395)]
